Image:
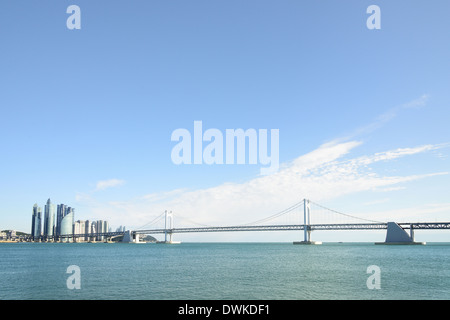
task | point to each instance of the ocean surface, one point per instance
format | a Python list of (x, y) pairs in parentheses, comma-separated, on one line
[(268, 271)]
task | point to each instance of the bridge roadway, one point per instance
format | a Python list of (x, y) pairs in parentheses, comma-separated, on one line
[(312, 227), (287, 227)]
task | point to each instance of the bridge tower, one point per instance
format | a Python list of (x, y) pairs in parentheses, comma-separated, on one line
[(307, 224), (306, 220), (168, 220), (168, 227)]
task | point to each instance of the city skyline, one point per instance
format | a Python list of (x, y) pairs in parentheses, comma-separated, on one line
[(362, 114), (64, 224)]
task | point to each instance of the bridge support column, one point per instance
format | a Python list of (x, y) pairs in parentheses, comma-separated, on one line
[(397, 235), (306, 221), (168, 226), (131, 237), (307, 225)]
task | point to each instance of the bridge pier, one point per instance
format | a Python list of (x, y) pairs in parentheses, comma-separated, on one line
[(131, 237), (396, 235)]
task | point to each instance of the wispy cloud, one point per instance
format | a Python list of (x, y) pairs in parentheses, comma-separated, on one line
[(389, 115), (375, 202), (416, 103), (105, 184), (394, 154)]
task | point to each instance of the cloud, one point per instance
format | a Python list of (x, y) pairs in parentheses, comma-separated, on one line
[(389, 189), (375, 202), (416, 103), (394, 154), (105, 184), (389, 115)]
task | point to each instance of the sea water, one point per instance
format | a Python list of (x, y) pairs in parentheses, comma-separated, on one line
[(196, 271)]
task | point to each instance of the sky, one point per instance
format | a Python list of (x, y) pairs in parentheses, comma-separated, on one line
[(362, 114)]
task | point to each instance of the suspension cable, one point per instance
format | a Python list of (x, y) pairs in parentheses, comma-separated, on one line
[(276, 215), (151, 222), (347, 215)]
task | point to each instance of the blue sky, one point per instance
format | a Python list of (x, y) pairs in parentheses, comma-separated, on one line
[(87, 115)]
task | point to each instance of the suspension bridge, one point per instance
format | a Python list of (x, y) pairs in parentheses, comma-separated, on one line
[(300, 213)]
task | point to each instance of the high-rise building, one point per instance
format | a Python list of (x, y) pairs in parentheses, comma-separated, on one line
[(67, 225), (93, 230), (105, 226), (88, 229), (36, 222), (70, 210), (79, 228), (49, 219), (60, 213), (99, 229)]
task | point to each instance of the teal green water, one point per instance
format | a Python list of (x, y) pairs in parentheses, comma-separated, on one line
[(223, 271)]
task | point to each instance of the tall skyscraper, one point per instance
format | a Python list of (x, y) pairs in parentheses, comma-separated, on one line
[(87, 229), (99, 229), (67, 225), (93, 230), (105, 226), (70, 210), (60, 213), (49, 219), (36, 222), (79, 227)]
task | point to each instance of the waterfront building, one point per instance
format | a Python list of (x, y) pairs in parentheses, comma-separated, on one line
[(99, 226), (105, 226), (36, 222), (79, 228), (60, 213), (67, 226), (49, 219), (87, 229), (98, 229), (93, 230)]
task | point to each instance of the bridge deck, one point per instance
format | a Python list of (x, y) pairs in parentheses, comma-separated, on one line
[(289, 227), (312, 227)]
